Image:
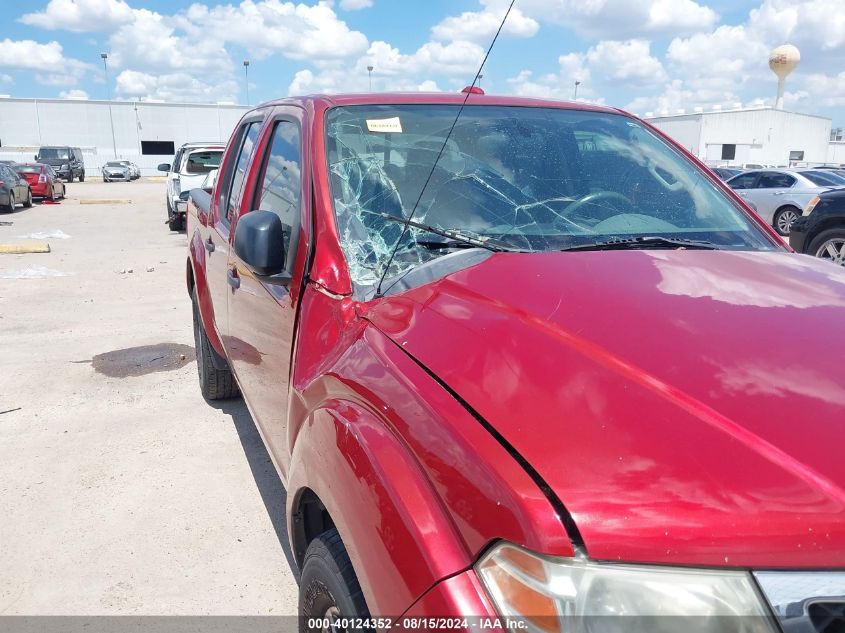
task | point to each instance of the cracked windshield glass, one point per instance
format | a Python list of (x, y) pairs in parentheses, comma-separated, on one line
[(528, 179)]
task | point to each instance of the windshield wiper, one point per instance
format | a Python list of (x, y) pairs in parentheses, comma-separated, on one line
[(456, 240), (656, 241)]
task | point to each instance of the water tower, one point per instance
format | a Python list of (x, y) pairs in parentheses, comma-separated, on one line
[(783, 60)]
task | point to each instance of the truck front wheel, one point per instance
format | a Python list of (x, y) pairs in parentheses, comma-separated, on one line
[(328, 590), (215, 384)]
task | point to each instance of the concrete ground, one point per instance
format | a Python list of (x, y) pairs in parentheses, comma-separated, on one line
[(121, 490)]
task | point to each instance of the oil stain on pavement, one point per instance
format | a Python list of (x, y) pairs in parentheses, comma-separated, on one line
[(143, 360)]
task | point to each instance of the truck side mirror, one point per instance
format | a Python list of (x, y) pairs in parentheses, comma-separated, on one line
[(164, 167), (260, 243), (36, 157)]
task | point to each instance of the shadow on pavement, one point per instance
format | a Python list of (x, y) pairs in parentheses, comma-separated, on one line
[(272, 491)]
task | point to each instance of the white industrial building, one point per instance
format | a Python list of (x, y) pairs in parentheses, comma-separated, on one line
[(145, 132), (756, 136)]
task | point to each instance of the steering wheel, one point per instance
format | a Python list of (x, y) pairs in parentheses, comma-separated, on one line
[(594, 197)]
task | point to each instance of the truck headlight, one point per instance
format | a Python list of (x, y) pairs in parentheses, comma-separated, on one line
[(571, 595), (64, 166), (811, 205)]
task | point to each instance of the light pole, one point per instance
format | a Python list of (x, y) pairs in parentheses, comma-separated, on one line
[(575, 94), (246, 75), (105, 56), (370, 73), (480, 77)]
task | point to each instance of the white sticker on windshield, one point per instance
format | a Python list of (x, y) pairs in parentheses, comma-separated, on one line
[(385, 125)]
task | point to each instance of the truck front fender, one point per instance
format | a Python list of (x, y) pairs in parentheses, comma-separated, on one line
[(393, 525)]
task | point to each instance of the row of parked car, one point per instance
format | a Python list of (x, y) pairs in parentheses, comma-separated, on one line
[(21, 182), (808, 205), (121, 171)]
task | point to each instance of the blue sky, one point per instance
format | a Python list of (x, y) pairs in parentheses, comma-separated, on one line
[(644, 55)]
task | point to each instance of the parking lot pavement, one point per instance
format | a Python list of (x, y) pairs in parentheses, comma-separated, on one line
[(121, 490)]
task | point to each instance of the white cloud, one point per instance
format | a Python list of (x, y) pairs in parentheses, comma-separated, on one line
[(355, 5), (81, 15), (182, 87), (608, 61), (630, 61), (618, 19), (672, 16), (296, 31), (32, 55), (477, 26), (73, 94), (428, 85), (456, 58), (6, 79), (150, 43)]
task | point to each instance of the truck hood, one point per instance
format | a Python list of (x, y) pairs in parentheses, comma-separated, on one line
[(687, 407)]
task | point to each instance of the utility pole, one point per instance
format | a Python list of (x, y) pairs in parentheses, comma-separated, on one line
[(575, 94), (246, 75), (370, 73), (105, 56)]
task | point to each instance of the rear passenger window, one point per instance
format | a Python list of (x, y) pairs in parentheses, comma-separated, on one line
[(237, 181), (774, 180), (743, 181), (281, 187)]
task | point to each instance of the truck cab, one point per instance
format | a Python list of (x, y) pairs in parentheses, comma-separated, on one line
[(514, 358)]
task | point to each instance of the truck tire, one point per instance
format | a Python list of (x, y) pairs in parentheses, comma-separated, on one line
[(215, 384), (70, 176), (176, 223), (82, 176), (328, 587)]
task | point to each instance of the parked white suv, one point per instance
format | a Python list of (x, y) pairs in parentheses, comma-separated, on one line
[(190, 166)]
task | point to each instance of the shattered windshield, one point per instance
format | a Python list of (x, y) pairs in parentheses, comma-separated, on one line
[(536, 179)]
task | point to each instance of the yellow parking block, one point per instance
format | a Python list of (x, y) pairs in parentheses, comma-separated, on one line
[(29, 247), (104, 201)]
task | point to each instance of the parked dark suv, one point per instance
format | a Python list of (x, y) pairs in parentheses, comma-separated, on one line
[(66, 161)]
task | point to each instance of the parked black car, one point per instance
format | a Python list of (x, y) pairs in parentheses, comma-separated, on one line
[(821, 230), (14, 189), (65, 161)]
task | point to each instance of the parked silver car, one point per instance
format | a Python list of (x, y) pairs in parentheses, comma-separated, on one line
[(116, 170), (134, 170), (780, 195)]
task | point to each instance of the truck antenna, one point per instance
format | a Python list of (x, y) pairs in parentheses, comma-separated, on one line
[(468, 92)]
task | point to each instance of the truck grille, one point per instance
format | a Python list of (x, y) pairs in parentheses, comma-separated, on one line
[(827, 617)]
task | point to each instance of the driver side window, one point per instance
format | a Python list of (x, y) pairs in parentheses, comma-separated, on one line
[(281, 185)]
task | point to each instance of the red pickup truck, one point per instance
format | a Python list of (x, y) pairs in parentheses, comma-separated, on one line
[(533, 362)]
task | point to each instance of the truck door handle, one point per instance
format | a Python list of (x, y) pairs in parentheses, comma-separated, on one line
[(232, 278), (209, 245)]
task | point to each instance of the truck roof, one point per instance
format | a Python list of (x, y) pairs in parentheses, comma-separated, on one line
[(443, 98)]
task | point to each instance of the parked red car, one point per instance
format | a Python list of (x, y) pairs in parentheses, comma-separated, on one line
[(569, 390), (43, 181)]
